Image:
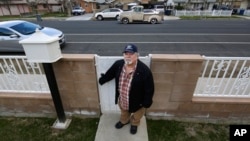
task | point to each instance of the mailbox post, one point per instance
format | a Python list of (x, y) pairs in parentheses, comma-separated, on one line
[(44, 49)]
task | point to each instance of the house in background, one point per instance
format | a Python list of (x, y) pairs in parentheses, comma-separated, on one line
[(98, 5), (212, 4), (92, 5), (22, 7), (88, 5)]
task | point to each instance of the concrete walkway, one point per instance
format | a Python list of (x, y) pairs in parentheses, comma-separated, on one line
[(107, 132)]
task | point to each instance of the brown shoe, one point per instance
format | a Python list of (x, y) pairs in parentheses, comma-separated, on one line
[(119, 125)]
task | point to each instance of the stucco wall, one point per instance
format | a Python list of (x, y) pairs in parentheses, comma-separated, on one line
[(27, 105), (76, 80), (175, 78), (175, 81)]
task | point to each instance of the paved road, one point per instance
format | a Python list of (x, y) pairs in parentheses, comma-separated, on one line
[(205, 37)]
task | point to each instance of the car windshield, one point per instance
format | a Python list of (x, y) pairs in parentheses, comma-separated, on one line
[(26, 28), (106, 10)]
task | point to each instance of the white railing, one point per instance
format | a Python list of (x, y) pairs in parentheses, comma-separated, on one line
[(203, 13), (197, 1), (247, 12), (180, 1), (18, 75), (221, 76), (224, 77)]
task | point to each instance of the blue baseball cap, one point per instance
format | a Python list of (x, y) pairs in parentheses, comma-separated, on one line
[(130, 48)]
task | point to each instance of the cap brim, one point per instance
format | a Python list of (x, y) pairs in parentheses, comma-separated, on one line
[(128, 51)]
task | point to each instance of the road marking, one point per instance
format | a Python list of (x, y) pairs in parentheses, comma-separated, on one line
[(150, 34), (161, 42)]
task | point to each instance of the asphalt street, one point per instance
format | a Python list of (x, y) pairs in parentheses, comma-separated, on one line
[(219, 37), (205, 37)]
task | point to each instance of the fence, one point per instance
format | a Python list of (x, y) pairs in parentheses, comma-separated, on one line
[(176, 78), (18, 75), (224, 77), (221, 76), (203, 13), (247, 13)]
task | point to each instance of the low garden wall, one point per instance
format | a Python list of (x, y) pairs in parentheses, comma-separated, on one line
[(175, 77)]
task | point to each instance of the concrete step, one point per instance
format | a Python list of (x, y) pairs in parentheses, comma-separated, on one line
[(107, 132)]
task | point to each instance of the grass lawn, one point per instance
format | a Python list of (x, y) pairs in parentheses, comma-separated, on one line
[(169, 130), (33, 16), (39, 129)]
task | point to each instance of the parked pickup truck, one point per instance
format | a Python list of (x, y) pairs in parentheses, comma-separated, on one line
[(138, 14)]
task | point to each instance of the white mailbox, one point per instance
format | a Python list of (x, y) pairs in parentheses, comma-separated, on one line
[(41, 48)]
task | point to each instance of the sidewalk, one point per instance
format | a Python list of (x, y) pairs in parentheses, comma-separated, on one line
[(88, 16), (244, 17), (107, 132), (84, 17), (171, 18)]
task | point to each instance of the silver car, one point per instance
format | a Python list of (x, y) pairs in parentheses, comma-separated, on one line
[(108, 13), (78, 11), (19, 30)]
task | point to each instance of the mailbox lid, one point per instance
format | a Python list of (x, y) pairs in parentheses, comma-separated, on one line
[(39, 37), (41, 48)]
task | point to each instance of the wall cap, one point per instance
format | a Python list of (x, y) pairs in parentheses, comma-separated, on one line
[(177, 57), (233, 100), (78, 57), (26, 95)]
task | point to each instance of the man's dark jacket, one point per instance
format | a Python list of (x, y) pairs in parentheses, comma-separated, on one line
[(142, 85)]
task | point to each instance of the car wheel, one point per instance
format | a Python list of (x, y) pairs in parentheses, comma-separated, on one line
[(125, 21), (153, 21), (99, 18)]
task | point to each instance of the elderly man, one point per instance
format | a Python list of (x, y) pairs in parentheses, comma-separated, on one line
[(134, 87)]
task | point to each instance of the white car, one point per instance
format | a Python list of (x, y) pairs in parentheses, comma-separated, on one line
[(19, 30), (159, 8), (113, 13), (78, 11)]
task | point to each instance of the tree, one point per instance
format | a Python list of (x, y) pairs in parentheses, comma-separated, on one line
[(46, 2), (66, 6), (33, 4)]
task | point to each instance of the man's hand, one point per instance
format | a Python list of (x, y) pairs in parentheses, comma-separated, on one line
[(102, 74), (101, 81)]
